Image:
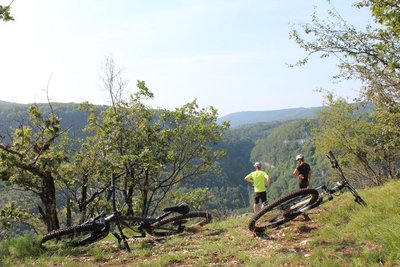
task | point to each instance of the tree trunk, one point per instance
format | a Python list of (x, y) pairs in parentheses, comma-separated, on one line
[(129, 202), (145, 194), (144, 205), (69, 212), (48, 197), (83, 204)]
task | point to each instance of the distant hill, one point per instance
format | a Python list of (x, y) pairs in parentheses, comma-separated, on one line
[(72, 117), (248, 117), (236, 119), (4, 103)]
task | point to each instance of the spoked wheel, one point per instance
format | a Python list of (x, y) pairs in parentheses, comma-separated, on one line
[(282, 210), (174, 225), (78, 235)]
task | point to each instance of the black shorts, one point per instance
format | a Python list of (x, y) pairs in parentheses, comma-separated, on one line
[(260, 196), (303, 183)]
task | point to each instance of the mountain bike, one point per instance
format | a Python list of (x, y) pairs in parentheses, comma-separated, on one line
[(296, 203), (174, 220)]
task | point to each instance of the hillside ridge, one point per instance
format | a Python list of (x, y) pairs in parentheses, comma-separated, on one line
[(248, 117), (236, 119)]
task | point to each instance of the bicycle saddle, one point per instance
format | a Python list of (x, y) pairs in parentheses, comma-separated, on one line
[(181, 208)]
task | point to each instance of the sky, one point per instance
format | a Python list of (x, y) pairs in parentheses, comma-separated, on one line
[(229, 54)]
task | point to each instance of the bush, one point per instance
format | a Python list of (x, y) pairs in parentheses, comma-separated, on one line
[(18, 247)]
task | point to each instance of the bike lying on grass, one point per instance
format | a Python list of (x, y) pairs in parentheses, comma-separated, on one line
[(292, 205), (174, 220)]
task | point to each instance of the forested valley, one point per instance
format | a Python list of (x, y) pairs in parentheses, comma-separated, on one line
[(56, 159), (220, 189)]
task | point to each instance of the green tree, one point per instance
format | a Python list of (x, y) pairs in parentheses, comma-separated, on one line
[(11, 215), (117, 141), (191, 136), (150, 150), (154, 153), (31, 161), (385, 12), (362, 143), (370, 55), (196, 198), (5, 14)]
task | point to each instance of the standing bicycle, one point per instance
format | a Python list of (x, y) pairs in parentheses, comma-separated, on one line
[(174, 220), (292, 205)]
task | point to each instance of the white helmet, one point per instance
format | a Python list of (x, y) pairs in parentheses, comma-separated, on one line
[(257, 164), (299, 156)]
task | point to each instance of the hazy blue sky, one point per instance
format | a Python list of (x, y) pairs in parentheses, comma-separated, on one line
[(230, 54)]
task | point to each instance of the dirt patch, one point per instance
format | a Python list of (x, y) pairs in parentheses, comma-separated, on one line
[(291, 237)]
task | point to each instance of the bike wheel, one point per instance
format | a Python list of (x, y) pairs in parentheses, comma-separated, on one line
[(76, 235), (174, 225), (282, 210)]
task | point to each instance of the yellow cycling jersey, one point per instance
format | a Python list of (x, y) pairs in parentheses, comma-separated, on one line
[(259, 179)]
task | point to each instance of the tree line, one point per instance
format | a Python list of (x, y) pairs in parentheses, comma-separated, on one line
[(151, 151), (369, 144)]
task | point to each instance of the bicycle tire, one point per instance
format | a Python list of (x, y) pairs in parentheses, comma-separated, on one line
[(75, 234), (315, 204), (178, 224), (282, 210)]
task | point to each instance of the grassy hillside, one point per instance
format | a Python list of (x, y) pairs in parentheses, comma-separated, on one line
[(341, 233)]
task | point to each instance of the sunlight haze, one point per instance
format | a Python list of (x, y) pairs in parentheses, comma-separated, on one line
[(230, 54)]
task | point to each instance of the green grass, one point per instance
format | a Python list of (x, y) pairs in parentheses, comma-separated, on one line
[(341, 233), (18, 248), (357, 236)]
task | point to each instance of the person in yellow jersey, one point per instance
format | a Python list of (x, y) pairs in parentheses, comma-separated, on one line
[(260, 180)]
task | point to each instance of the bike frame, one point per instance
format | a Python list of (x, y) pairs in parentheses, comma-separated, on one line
[(174, 220), (103, 222)]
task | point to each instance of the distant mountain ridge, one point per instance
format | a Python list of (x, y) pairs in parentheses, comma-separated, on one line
[(5, 103), (236, 119), (247, 117)]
